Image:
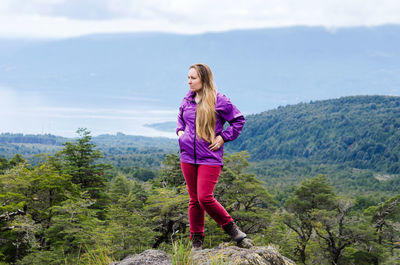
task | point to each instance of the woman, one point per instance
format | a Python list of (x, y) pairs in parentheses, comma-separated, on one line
[(201, 118)]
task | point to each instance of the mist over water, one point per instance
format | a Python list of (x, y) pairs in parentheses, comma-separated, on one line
[(32, 113)]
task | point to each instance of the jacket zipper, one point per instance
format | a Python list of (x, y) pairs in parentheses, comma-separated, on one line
[(195, 133)]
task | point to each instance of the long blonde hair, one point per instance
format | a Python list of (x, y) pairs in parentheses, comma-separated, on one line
[(205, 110)]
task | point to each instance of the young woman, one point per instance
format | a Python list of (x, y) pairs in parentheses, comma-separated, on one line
[(201, 118)]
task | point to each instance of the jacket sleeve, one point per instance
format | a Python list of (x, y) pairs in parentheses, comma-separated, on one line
[(236, 120), (180, 126)]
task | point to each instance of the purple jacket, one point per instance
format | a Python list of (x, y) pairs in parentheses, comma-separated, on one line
[(194, 150)]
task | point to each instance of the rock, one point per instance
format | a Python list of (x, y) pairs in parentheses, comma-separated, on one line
[(245, 243), (148, 257), (225, 254)]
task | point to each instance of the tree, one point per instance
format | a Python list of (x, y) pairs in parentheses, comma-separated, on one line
[(168, 211), (385, 218), (8, 164), (78, 159), (336, 229), (74, 227), (171, 173), (27, 196), (119, 187), (314, 193), (128, 228), (243, 195), (384, 214)]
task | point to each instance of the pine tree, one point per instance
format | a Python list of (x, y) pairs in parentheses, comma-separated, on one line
[(79, 159)]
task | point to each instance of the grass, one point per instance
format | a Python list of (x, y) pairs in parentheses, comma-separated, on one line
[(182, 252), (98, 256), (219, 259), (182, 255)]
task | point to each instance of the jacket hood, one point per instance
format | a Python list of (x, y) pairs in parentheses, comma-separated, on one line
[(190, 95)]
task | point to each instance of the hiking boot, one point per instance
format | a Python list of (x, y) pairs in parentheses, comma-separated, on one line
[(197, 241), (237, 235), (245, 243)]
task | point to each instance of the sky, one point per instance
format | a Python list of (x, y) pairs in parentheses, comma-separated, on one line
[(71, 18), (49, 19)]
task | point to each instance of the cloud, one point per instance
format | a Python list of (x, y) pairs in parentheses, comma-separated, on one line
[(67, 18)]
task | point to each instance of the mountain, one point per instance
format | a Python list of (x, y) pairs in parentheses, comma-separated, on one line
[(359, 131), (121, 82)]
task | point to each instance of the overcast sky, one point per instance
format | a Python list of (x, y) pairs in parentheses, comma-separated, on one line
[(68, 18)]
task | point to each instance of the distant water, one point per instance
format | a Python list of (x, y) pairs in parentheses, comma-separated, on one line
[(168, 126), (31, 113)]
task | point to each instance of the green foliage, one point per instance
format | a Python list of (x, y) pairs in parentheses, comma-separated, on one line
[(336, 230), (68, 209), (128, 229), (313, 194), (220, 259), (282, 176), (98, 255), (47, 139), (8, 164), (79, 161), (167, 209), (131, 153), (30, 193), (170, 173), (278, 234), (243, 195), (361, 132), (142, 174), (181, 252), (74, 224), (134, 156), (330, 230), (29, 145), (385, 218)]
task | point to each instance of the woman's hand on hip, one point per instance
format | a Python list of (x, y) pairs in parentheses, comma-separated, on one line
[(180, 133), (217, 144)]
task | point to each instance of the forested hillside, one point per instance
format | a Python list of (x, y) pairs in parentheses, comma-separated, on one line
[(121, 150), (360, 132), (73, 209)]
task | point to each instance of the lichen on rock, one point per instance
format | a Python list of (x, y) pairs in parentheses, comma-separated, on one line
[(148, 257), (224, 254)]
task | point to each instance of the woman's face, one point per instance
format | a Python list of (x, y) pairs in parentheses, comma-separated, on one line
[(194, 81)]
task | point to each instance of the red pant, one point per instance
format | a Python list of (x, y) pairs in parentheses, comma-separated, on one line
[(200, 181)]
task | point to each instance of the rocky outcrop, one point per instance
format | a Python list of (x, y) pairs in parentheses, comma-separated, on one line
[(265, 255), (224, 254), (148, 257)]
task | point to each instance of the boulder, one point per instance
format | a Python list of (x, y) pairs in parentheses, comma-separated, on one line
[(148, 257), (223, 254)]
